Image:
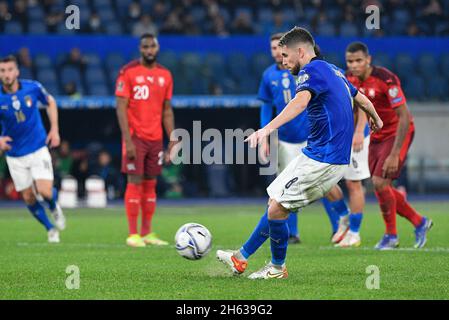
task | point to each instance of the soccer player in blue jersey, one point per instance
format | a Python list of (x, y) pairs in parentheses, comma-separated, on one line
[(24, 141), (323, 90)]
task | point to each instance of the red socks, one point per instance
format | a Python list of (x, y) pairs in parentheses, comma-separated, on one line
[(392, 201), (132, 205), (387, 203), (405, 210), (148, 201)]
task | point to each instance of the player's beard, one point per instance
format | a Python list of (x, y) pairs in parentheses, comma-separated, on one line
[(295, 70), (149, 60)]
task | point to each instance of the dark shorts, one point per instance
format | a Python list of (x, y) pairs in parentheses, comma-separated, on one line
[(149, 158), (380, 150)]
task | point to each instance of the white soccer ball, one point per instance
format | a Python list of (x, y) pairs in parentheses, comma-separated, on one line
[(193, 241)]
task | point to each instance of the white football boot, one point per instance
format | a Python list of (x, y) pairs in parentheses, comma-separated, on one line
[(228, 257), (343, 227), (351, 239), (59, 217), (53, 235), (270, 271)]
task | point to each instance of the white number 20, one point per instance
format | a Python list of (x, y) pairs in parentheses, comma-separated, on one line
[(141, 92)]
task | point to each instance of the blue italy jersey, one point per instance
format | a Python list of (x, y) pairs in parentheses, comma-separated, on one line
[(329, 112), (276, 89), (20, 118)]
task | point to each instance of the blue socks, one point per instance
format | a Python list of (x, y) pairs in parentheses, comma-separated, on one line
[(355, 220), (333, 216), (293, 224), (340, 207), (257, 238), (279, 240), (52, 202), (38, 212)]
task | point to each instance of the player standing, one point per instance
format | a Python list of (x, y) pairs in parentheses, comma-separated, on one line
[(327, 95), (144, 89), (389, 146), (25, 142)]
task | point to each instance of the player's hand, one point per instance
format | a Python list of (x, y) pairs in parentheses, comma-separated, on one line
[(264, 151), (375, 124), (357, 141), (130, 150), (390, 166), (258, 137), (169, 151), (53, 139), (4, 145)]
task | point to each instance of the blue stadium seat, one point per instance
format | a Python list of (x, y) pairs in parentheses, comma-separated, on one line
[(437, 88), (265, 15), (248, 85), (215, 65), (99, 89), (427, 65), (94, 75), (13, 27), (191, 66), (259, 62), (93, 59), (289, 16), (114, 28), (334, 58), (42, 60), (326, 29), (169, 60), (26, 73), (52, 88), (69, 73), (106, 15), (37, 27), (36, 13), (414, 88), (101, 4), (348, 29), (80, 3), (62, 29), (199, 86), (198, 13), (383, 60), (405, 66), (114, 60), (46, 76), (237, 65), (444, 64)]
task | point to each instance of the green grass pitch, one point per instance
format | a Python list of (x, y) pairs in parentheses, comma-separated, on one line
[(30, 268)]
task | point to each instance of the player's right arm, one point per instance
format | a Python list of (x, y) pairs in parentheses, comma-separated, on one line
[(359, 130), (365, 104), (122, 116), (4, 146)]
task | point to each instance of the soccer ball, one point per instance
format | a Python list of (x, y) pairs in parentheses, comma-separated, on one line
[(193, 241)]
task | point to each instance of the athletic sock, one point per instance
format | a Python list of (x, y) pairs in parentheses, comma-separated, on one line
[(387, 203), (405, 210), (279, 241), (38, 212), (54, 198), (293, 224), (340, 207), (148, 203), (132, 205), (333, 216), (355, 220), (257, 238)]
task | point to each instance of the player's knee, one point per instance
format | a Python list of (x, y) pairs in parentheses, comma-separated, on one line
[(46, 192), (276, 211), (28, 196), (334, 194), (134, 179), (354, 186), (380, 183)]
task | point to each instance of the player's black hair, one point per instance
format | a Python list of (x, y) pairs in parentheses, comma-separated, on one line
[(317, 50), (297, 35), (276, 36), (357, 46), (9, 58)]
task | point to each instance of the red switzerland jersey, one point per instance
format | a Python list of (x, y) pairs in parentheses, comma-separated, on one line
[(383, 88), (147, 89)]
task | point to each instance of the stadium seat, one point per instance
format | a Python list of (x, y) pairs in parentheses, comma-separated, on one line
[(101, 4), (107, 15), (69, 73), (198, 13), (444, 64), (427, 65), (192, 66), (200, 86), (52, 88), (26, 73), (113, 28), (13, 27), (405, 66), (259, 62), (289, 16), (383, 60), (99, 89), (95, 75), (169, 60), (114, 60), (36, 13), (265, 15), (46, 76), (414, 88), (93, 59), (348, 29), (334, 58), (42, 60), (437, 88), (215, 65), (248, 85), (326, 29), (37, 27), (237, 65), (62, 29)]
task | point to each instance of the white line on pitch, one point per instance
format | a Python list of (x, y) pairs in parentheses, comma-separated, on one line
[(437, 249)]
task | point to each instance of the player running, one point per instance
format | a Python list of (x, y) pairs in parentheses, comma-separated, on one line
[(327, 95), (388, 147), (25, 141), (144, 89)]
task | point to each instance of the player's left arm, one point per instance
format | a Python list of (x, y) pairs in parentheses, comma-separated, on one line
[(168, 120), (391, 163), (53, 138), (294, 108), (359, 131)]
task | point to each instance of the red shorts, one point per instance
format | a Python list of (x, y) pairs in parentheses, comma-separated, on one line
[(380, 150), (149, 158)]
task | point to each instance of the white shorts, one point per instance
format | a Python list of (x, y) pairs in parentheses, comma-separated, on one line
[(358, 168), (304, 181), (287, 152), (34, 166)]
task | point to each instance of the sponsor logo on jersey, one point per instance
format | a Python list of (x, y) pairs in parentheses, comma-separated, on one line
[(120, 86), (28, 101), (274, 83), (131, 166), (302, 78), (15, 103), (393, 92), (286, 82), (151, 79), (161, 81)]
